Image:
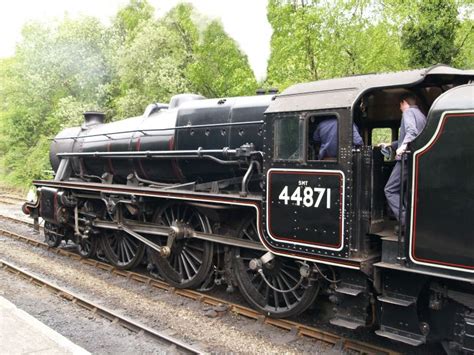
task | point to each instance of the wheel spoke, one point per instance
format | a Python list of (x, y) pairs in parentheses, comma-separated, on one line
[(193, 255), (168, 220), (122, 252), (185, 266), (180, 266), (185, 212), (172, 216), (132, 243), (246, 233), (283, 271), (294, 293), (187, 253), (267, 293), (126, 250), (284, 294), (175, 262), (275, 295), (195, 247)]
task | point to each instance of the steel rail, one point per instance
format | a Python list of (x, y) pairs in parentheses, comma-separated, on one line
[(12, 197), (298, 329), (8, 202), (16, 220), (112, 316)]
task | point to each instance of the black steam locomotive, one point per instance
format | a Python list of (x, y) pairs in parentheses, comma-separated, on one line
[(231, 190)]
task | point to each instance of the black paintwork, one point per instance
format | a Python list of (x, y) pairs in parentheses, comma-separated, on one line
[(443, 190), (194, 119), (49, 204)]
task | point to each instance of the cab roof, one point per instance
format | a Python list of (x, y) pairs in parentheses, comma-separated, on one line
[(344, 92)]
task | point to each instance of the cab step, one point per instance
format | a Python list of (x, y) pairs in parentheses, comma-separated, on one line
[(404, 302), (401, 336), (346, 323), (349, 289)]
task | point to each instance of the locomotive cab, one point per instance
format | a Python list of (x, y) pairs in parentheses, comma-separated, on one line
[(336, 203)]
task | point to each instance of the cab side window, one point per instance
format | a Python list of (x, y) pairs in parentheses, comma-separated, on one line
[(286, 138)]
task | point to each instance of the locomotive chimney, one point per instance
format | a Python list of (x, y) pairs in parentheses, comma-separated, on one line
[(93, 118)]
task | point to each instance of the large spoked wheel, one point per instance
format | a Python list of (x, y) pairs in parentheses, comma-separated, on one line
[(52, 235), (122, 250), (190, 259), (281, 292), (87, 247)]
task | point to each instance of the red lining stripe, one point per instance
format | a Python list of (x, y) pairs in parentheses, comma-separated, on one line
[(340, 207), (109, 161), (142, 170)]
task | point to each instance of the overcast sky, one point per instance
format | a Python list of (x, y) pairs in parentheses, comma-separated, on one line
[(244, 20)]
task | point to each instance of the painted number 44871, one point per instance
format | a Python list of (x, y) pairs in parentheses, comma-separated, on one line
[(304, 195)]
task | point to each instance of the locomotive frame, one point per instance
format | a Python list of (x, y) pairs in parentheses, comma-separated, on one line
[(264, 208)]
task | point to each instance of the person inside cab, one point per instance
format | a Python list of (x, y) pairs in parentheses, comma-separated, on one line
[(325, 135), (412, 123)]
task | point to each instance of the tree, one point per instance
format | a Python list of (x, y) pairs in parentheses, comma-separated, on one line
[(315, 40), (128, 18), (150, 68), (430, 33), (220, 68), (58, 72)]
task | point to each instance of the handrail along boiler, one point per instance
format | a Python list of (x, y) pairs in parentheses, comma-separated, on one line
[(231, 190)]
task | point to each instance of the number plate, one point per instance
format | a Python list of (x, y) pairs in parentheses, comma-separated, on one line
[(306, 207)]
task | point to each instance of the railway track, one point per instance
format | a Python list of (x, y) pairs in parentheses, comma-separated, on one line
[(11, 199), (112, 316), (295, 328), (8, 201)]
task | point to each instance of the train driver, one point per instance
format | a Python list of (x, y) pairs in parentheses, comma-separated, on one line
[(325, 135), (412, 123)]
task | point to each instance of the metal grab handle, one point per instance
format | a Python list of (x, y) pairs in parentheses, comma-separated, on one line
[(401, 238)]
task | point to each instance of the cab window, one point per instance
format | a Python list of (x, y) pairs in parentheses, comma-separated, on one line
[(286, 138)]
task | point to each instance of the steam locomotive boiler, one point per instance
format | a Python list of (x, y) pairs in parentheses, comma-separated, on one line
[(231, 190)]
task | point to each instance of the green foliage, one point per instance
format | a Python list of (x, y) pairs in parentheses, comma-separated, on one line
[(465, 44), (220, 69), (128, 18), (58, 69), (315, 40), (430, 33)]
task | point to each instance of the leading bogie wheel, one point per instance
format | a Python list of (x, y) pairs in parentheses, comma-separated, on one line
[(52, 234), (190, 260), (87, 247), (278, 289)]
